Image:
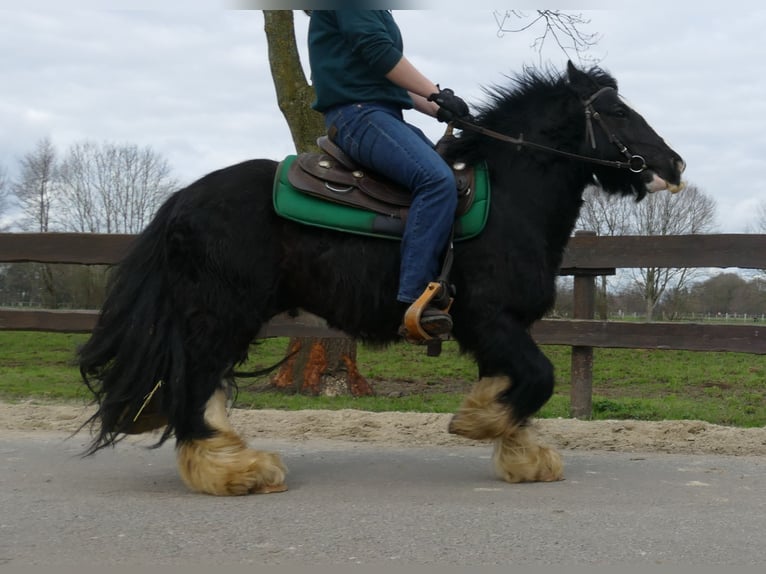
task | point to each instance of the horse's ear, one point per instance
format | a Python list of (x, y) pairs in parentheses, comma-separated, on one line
[(579, 80), (571, 69), (576, 77)]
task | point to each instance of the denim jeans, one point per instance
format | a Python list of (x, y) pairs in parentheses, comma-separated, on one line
[(377, 137)]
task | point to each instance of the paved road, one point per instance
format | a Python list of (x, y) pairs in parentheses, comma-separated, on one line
[(352, 503)]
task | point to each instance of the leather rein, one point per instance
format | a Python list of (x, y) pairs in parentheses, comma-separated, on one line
[(635, 163)]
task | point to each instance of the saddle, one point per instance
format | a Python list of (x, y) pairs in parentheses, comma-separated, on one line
[(333, 176)]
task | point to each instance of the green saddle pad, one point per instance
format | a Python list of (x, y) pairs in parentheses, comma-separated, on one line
[(295, 205)]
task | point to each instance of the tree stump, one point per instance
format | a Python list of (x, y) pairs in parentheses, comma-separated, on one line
[(322, 366)]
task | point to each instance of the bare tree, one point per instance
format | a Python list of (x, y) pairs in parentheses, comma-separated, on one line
[(5, 193), (96, 188), (5, 189), (660, 214), (35, 188), (105, 188), (760, 217), (110, 188), (605, 215), (759, 222), (689, 212)]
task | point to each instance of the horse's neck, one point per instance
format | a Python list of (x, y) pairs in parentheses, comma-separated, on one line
[(550, 197)]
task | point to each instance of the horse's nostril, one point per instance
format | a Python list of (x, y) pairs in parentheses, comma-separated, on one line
[(680, 165)]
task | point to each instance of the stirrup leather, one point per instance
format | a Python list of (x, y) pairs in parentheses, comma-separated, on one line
[(413, 331)]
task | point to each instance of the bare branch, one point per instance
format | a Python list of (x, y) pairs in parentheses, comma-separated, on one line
[(565, 29), (5, 191), (760, 217), (111, 188)]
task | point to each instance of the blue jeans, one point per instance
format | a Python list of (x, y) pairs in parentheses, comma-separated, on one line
[(377, 137)]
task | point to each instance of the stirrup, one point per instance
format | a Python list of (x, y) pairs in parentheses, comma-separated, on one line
[(412, 329)]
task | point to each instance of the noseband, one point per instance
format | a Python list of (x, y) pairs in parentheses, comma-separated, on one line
[(635, 163)]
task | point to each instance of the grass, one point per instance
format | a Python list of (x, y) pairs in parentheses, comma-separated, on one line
[(722, 388)]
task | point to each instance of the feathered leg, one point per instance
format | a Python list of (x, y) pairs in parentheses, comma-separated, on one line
[(516, 380), (222, 464), (518, 454)]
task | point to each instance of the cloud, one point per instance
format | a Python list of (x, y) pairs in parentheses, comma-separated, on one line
[(194, 83)]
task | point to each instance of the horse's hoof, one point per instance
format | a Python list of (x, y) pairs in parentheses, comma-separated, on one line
[(269, 489), (223, 465), (519, 458), (271, 474)]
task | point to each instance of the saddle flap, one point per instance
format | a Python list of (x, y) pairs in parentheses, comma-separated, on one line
[(339, 179), (329, 177), (335, 185)]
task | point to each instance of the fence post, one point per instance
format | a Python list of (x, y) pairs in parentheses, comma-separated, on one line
[(584, 294)]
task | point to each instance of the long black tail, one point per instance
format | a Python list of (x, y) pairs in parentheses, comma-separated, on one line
[(184, 305), (137, 343)]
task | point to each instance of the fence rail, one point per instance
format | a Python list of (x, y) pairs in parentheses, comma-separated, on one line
[(587, 256)]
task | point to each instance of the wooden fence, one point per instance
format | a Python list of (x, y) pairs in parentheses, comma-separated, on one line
[(587, 257)]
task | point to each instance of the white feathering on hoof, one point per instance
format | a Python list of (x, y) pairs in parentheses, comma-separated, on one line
[(518, 454), (223, 464)]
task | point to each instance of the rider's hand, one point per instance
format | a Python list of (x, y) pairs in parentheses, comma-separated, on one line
[(451, 107)]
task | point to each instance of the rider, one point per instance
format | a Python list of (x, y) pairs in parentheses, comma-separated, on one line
[(362, 82)]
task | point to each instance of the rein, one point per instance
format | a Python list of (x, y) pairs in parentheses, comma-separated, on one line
[(635, 163)]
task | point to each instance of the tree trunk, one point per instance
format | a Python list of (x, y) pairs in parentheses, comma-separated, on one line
[(602, 300), (49, 294), (650, 303), (294, 93), (320, 366)]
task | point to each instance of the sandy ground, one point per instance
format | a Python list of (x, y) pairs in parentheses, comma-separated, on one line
[(418, 429)]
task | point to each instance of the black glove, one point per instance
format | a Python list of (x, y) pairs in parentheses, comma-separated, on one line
[(451, 107)]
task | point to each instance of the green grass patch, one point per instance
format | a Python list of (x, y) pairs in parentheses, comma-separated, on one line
[(722, 388), (40, 365)]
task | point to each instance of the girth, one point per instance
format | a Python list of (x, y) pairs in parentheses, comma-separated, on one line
[(332, 175)]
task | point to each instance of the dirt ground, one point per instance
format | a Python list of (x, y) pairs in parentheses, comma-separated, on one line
[(422, 429)]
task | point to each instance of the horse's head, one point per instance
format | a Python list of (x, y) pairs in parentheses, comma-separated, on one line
[(616, 132)]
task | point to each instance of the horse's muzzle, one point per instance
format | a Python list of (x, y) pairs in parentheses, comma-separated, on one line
[(655, 183)]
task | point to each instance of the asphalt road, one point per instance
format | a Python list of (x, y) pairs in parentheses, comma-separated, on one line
[(352, 503)]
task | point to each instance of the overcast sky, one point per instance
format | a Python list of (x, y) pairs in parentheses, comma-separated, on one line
[(194, 84)]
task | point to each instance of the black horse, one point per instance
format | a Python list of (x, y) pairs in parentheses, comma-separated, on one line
[(216, 263)]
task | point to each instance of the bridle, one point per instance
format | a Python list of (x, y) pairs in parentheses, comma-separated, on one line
[(635, 163)]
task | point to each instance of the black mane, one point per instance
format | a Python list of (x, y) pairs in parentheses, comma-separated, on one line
[(516, 109)]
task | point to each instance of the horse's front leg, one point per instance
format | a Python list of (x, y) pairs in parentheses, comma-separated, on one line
[(516, 379), (220, 462)]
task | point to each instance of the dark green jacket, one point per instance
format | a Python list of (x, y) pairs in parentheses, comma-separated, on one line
[(350, 53)]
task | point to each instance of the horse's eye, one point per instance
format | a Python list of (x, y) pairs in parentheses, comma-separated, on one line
[(620, 113)]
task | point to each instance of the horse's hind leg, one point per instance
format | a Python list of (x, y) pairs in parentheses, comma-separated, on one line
[(221, 463), (499, 406)]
